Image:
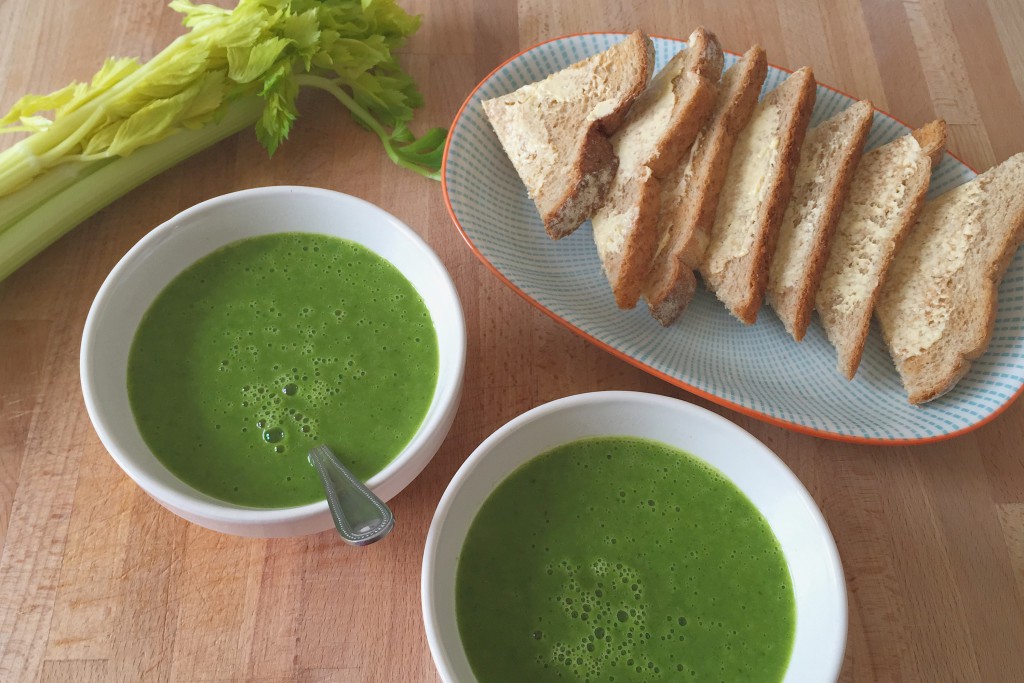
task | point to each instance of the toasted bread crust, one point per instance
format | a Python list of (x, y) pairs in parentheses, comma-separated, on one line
[(568, 167), (595, 166), (923, 386), (958, 302), (629, 215), (747, 276), (696, 89), (795, 305), (641, 60), (694, 188), (773, 211), (640, 248), (590, 177), (848, 330), (932, 138)]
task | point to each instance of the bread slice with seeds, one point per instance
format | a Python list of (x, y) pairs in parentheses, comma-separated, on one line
[(689, 195), (827, 162), (885, 199), (659, 129), (556, 131), (937, 307), (757, 188)]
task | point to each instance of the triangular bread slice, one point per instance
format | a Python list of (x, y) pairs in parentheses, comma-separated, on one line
[(556, 131), (827, 163), (658, 130), (885, 199), (937, 307), (757, 188), (689, 195)]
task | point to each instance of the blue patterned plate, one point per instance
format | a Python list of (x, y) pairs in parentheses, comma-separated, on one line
[(758, 370)]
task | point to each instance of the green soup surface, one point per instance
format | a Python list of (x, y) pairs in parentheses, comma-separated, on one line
[(622, 559), (271, 345)]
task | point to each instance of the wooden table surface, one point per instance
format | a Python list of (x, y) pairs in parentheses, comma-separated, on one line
[(99, 583)]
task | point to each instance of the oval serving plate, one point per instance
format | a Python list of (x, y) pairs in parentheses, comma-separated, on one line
[(757, 370)]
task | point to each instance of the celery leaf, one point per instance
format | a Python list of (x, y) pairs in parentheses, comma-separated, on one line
[(231, 68)]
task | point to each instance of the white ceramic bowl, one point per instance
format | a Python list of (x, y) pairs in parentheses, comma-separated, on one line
[(170, 248), (817, 575)]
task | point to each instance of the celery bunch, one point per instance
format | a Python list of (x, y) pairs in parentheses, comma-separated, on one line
[(234, 68)]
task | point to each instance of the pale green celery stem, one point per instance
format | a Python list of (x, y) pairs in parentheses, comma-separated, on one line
[(366, 117), (37, 230), (22, 161), (20, 203)]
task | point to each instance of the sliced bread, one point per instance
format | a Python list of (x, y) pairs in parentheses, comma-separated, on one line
[(658, 130), (689, 195), (757, 188), (556, 131), (827, 162), (937, 307), (885, 199)]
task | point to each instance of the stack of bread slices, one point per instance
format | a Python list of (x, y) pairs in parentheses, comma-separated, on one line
[(686, 171)]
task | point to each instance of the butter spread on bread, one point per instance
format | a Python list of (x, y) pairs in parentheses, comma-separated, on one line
[(757, 189), (828, 160), (658, 130), (689, 195), (885, 199)]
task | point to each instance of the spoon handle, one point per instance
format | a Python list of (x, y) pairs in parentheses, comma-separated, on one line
[(360, 516)]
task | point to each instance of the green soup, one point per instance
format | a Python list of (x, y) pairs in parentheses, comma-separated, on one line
[(271, 345), (619, 559)]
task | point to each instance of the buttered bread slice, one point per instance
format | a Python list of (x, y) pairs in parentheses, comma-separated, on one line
[(556, 131), (689, 195), (827, 162), (757, 188), (658, 130), (937, 307), (885, 199)]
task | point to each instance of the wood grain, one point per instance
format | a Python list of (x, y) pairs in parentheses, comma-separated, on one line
[(99, 583)]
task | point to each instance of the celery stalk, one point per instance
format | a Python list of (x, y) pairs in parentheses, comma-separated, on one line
[(16, 206), (110, 180), (20, 164), (234, 68)]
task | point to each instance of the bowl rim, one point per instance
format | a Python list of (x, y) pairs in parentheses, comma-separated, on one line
[(714, 398), (469, 466), (224, 512)]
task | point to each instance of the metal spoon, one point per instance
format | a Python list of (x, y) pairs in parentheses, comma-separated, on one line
[(360, 517)]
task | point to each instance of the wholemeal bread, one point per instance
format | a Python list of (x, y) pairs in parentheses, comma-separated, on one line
[(827, 162), (937, 307), (556, 131), (689, 195), (885, 198), (658, 130), (757, 189)]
